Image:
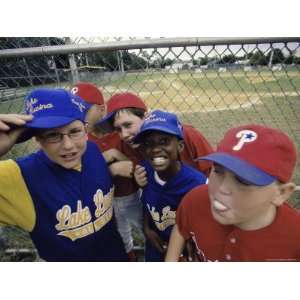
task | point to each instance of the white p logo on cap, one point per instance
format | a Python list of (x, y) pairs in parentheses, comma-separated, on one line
[(245, 136)]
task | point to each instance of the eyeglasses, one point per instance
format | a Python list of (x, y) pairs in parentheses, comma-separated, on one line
[(57, 137)]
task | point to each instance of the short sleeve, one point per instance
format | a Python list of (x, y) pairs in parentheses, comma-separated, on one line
[(182, 218), (16, 205), (196, 145)]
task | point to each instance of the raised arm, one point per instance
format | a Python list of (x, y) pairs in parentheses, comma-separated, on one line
[(176, 245), (10, 130), (113, 155)]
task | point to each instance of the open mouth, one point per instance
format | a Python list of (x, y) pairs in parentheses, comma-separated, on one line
[(69, 156)]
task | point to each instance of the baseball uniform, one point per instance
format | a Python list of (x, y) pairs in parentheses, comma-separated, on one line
[(215, 242), (68, 213)]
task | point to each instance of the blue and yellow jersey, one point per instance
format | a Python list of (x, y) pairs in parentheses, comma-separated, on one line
[(68, 213)]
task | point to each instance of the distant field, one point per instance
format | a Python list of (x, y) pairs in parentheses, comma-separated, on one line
[(211, 101)]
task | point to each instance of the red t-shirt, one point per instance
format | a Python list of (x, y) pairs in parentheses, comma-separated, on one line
[(195, 145), (108, 141), (280, 241)]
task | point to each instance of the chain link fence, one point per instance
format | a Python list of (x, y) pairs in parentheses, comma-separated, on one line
[(211, 83)]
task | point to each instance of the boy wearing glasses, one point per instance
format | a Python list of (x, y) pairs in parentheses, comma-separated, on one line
[(242, 214), (62, 194)]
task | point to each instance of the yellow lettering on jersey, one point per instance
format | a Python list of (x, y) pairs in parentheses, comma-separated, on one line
[(154, 214), (168, 217), (78, 224), (78, 233), (68, 220), (103, 203), (100, 222)]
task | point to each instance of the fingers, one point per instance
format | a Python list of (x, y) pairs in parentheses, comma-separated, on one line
[(140, 176), (7, 120)]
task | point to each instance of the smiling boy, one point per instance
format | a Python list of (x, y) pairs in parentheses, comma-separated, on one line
[(242, 214), (161, 140)]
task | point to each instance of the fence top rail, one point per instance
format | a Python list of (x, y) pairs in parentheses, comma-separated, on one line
[(140, 44)]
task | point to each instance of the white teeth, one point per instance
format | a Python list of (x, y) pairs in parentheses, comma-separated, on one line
[(219, 206), (159, 160)]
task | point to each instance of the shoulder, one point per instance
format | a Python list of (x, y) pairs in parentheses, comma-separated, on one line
[(194, 174), (195, 204), (9, 166), (195, 140), (29, 160), (189, 132), (93, 153), (291, 216), (196, 197)]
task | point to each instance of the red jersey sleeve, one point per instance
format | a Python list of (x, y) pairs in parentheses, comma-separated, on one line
[(182, 216), (107, 142), (195, 146), (192, 211)]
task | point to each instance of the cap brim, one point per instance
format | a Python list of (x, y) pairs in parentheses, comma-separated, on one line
[(107, 118), (141, 134), (241, 168)]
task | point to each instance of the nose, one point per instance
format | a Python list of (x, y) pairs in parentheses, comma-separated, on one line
[(124, 133), (225, 186), (67, 142), (155, 148)]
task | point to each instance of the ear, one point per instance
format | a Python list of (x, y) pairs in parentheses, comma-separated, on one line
[(284, 192), (180, 145)]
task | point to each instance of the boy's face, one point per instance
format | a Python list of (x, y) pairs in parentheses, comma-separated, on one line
[(234, 202), (68, 151), (162, 150), (127, 125)]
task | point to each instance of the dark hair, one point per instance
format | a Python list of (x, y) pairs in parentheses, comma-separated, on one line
[(133, 110)]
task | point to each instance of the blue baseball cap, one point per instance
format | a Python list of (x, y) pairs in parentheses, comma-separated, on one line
[(162, 121), (52, 108)]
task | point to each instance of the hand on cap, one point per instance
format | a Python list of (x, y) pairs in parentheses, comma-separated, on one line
[(8, 121), (10, 130)]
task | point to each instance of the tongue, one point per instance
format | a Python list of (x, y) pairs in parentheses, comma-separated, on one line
[(219, 206)]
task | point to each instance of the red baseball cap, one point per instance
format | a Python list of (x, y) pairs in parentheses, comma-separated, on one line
[(256, 153), (88, 92), (122, 100)]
